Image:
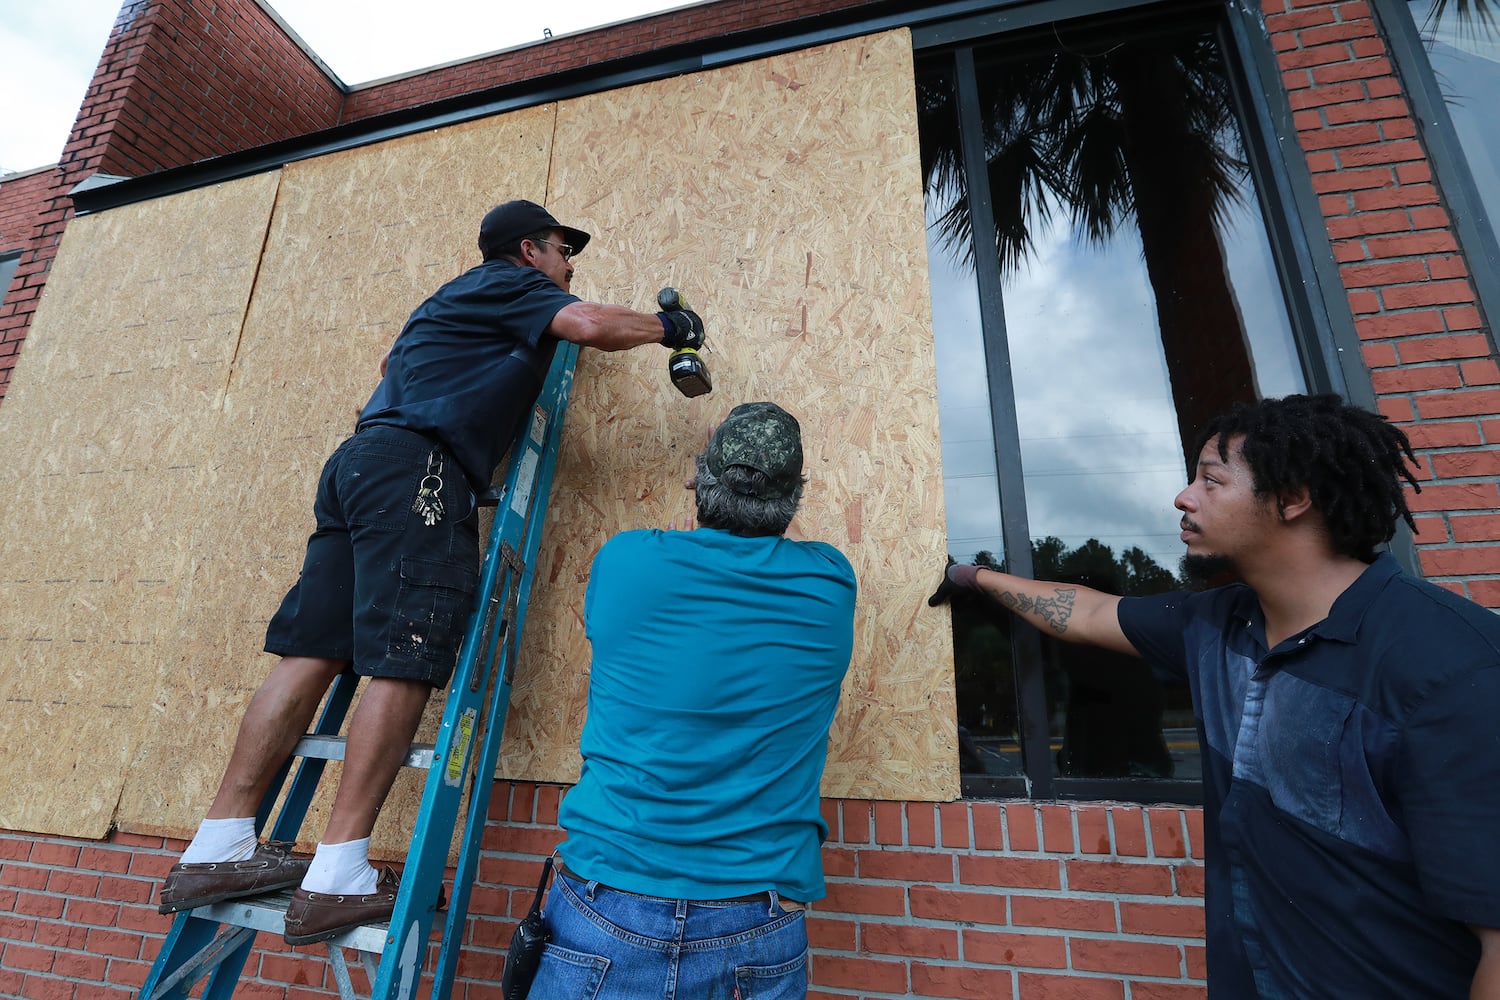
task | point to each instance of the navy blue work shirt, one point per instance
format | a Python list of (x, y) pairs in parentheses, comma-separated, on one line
[(1352, 785), (469, 363)]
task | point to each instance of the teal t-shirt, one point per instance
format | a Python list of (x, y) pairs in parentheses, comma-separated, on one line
[(717, 662)]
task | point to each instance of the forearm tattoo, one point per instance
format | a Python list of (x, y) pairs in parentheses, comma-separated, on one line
[(1055, 611)]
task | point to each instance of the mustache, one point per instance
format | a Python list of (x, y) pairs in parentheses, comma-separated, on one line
[(1188, 524)]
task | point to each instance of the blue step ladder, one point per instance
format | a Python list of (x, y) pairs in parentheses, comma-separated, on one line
[(215, 940)]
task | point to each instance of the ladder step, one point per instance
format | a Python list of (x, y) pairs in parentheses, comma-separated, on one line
[(332, 748), (268, 913)]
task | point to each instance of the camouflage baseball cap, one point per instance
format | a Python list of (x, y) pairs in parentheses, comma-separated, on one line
[(760, 436)]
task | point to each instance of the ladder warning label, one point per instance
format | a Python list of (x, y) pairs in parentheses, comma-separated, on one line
[(453, 771), (538, 425), (525, 479)]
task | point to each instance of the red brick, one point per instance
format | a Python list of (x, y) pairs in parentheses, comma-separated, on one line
[(1119, 878), (856, 817), (1454, 496), (1130, 831), (1167, 991), (852, 897), (859, 973), (1465, 464), (28, 959), (1485, 372), (954, 817), (1476, 528), (1020, 826), (1409, 324), (1162, 919), (1194, 818), (1057, 829), (1136, 958), (912, 942), (933, 903), (989, 828), (1460, 403), (1427, 293), (1425, 349), (1023, 873), (1431, 530), (60, 936), (115, 943), (73, 965), (888, 823), (1039, 987), (73, 883), (906, 866), (1062, 912), (1441, 434), (1416, 380), (1031, 951), (1166, 833), (839, 862), (97, 859), (1189, 880), (824, 931), (1459, 318), (1479, 561), (921, 824), (960, 981), (55, 855), (1093, 830)]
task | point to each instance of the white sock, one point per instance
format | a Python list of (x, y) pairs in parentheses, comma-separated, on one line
[(221, 840), (342, 869)]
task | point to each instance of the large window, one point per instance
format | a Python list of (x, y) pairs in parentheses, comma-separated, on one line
[(1103, 283)]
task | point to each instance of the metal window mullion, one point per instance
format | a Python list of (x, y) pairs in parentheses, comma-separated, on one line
[(1026, 650)]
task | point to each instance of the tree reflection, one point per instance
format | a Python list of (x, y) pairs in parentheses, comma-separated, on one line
[(1113, 133)]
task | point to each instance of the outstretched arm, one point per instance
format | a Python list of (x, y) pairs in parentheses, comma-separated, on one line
[(1072, 613)]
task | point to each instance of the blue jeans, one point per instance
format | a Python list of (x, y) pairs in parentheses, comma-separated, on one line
[(607, 944)]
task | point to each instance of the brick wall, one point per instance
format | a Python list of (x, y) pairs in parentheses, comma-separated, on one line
[(1430, 355), (573, 51), (981, 900), (24, 200), (185, 80)]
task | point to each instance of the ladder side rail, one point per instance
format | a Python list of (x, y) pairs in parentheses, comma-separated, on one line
[(188, 938), (483, 775), (454, 757)]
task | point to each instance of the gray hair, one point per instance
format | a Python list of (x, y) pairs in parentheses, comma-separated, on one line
[(729, 502)]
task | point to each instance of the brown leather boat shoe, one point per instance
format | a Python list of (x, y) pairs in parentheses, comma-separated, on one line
[(318, 916), (271, 867)]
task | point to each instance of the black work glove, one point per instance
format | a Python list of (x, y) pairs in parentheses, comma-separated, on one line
[(956, 577), (681, 328)]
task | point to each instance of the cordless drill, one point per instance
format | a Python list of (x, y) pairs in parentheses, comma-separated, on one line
[(686, 367)]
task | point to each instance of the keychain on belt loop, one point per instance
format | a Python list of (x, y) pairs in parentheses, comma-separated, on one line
[(428, 505)]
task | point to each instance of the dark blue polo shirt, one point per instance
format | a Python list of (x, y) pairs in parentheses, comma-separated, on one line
[(469, 363), (1352, 785)]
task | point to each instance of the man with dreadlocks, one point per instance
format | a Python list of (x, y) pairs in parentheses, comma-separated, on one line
[(1346, 713)]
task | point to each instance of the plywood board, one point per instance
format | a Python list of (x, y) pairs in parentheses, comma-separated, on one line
[(124, 368), (784, 197), (358, 239), (165, 437)]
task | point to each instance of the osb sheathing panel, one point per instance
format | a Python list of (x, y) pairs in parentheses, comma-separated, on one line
[(114, 399), (784, 198), (357, 240)]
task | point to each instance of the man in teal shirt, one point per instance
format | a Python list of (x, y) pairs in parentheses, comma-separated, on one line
[(694, 831)]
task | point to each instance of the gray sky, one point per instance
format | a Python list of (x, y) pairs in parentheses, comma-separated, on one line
[(49, 48)]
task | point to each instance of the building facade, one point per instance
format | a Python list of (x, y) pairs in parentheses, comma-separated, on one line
[(1192, 203)]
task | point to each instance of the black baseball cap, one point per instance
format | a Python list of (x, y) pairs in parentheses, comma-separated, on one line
[(507, 223), (760, 436)]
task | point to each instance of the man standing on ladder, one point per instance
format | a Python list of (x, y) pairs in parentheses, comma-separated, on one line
[(390, 572), (718, 655)]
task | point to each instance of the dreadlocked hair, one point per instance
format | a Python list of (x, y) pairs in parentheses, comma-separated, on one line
[(1351, 461)]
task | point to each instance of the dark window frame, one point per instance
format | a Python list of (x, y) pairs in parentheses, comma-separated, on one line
[(1322, 324), (10, 262)]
